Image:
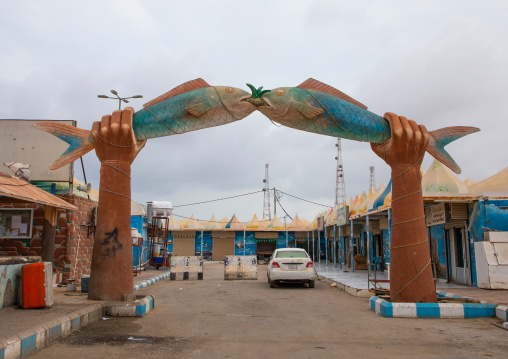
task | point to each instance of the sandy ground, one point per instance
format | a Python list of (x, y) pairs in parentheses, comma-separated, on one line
[(214, 318)]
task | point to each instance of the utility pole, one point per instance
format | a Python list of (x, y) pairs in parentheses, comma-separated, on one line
[(274, 202), (372, 182), (340, 185), (266, 201)]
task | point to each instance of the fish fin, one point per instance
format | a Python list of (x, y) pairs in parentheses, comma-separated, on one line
[(185, 87), (198, 109), (309, 111), (312, 84), (77, 138), (438, 139)]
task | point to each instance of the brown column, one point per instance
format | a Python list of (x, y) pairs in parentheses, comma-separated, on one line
[(116, 146), (411, 277)]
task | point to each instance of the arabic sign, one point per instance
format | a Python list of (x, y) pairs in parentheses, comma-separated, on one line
[(437, 214)]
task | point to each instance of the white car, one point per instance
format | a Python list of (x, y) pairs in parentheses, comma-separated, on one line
[(291, 265)]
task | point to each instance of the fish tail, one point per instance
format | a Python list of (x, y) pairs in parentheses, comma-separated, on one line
[(77, 138), (438, 139)]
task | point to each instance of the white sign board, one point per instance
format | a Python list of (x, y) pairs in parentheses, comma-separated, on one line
[(21, 142), (436, 214)]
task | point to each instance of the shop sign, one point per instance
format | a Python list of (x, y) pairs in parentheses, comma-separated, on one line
[(343, 216), (320, 223), (437, 214)]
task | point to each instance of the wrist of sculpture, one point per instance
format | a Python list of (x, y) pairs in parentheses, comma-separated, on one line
[(404, 172), (115, 179)]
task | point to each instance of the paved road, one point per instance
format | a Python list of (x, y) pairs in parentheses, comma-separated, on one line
[(214, 318)]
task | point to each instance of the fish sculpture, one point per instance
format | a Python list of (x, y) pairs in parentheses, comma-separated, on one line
[(316, 107), (191, 106)]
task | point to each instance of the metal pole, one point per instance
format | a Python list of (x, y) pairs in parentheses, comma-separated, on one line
[(244, 245), (368, 252), (352, 248), (362, 240), (335, 246), (390, 236), (274, 203), (201, 243), (287, 242), (313, 248), (326, 246), (308, 242), (341, 241), (319, 246)]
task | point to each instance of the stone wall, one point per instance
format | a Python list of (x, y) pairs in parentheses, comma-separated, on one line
[(73, 246)]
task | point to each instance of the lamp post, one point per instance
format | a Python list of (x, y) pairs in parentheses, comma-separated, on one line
[(120, 99)]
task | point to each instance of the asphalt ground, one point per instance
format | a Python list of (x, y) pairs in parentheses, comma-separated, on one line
[(213, 318)]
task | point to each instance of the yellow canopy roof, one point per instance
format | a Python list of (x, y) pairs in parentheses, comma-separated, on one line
[(275, 225)]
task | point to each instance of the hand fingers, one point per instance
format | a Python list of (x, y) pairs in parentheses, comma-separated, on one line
[(417, 134), (408, 130), (126, 123), (96, 127), (116, 118), (395, 125), (105, 124)]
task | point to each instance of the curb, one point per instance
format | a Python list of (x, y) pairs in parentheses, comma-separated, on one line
[(31, 340), (502, 312), (151, 281), (135, 309), (432, 310), (355, 292)]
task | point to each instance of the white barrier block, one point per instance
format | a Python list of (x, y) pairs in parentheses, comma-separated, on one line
[(240, 268)]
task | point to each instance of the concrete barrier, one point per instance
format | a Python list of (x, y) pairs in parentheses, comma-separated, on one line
[(186, 268), (240, 267)]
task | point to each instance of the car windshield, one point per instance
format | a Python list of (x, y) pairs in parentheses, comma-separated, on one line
[(291, 254)]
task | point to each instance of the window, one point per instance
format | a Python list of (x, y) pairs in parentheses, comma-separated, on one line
[(16, 223), (291, 254)]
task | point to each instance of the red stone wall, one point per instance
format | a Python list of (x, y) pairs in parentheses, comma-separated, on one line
[(78, 245), (73, 246)]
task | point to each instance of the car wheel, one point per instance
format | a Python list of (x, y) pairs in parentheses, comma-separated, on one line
[(272, 284), (311, 284)]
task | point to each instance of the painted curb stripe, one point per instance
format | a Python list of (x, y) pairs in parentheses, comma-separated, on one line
[(28, 345), (432, 310), (151, 281)]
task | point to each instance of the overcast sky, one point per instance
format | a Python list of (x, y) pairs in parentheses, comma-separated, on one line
[(441, 63)]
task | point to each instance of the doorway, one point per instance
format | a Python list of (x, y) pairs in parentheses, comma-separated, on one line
[(458, 255)]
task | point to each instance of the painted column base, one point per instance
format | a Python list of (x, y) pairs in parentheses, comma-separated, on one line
[(137, 308)]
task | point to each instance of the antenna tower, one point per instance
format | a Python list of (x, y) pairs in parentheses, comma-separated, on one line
[(372, 182), (266, 202), (340, 185)]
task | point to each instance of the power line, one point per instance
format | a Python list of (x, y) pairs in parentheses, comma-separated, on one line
[(283, 209), (219, 199), (301, 199), (247, 194)]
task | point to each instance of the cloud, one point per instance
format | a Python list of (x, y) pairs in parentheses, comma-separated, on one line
[(439, 63)]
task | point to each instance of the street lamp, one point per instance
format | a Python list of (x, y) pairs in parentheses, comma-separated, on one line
[(120, 99)]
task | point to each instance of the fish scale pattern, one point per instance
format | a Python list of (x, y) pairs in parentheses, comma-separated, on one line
[(352, 122), (170, 117)]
